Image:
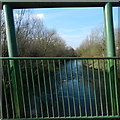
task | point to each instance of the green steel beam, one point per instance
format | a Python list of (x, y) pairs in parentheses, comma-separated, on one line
[(10, 31), (13, 52), (19, 4), (110, 42), (110, 51)]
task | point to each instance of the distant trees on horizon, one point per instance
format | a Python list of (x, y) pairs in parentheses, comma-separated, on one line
[(35, 40), (94, 44)]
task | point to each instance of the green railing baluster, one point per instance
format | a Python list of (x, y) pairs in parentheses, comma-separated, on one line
[(44, 80), (11, 95), (28, 88), (118, 71), (77, 76), (5, 94), (68, 97), (16, 103), (111, 95), (94, 84), (83, 83), (56, 90), (89, 91), (51, 92), (61, 88), (106, 98), (99, 81), (21, 80), (105, 106), (31, 66), (39, 87), (1, 91), (71, 74), (116, 87)]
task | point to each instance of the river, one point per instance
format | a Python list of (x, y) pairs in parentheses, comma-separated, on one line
[(73, 94)]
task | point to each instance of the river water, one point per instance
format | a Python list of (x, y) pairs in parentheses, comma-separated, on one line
[(75, 98), (76, 91)]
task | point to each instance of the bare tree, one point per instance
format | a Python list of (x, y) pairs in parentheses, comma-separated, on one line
[(93, 45), (34, 39)]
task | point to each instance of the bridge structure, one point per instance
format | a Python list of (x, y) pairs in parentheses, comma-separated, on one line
[(94, 93)]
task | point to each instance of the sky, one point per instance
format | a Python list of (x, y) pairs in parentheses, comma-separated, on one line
[(73, 24)]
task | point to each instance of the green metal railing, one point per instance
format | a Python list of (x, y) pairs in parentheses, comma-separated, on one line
[(60, 87)]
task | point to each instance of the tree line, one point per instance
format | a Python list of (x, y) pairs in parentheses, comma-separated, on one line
[(94, 45), (34, 39)]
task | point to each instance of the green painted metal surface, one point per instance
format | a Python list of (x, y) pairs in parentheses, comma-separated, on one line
[(10, 31), (62, 88), (110, 48), (110, 43), (13, 52)]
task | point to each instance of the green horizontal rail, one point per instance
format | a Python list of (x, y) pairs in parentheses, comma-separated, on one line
[(62, 87), (49, 58), (57, 118)]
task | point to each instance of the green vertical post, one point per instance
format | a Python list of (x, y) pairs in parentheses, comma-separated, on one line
[(10, 31), (110, 49), (13, 52), (110, 42), (0, 72)]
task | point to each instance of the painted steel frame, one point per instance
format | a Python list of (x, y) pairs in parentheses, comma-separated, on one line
[(10, 28)]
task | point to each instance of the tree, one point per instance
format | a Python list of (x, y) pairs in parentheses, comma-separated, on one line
[(117, 39), (33, 38), (93, 45)]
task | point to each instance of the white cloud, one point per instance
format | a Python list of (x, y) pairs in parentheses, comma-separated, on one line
[(38, 16)]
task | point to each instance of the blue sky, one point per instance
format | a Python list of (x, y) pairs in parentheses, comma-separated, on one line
[(73, 24)]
